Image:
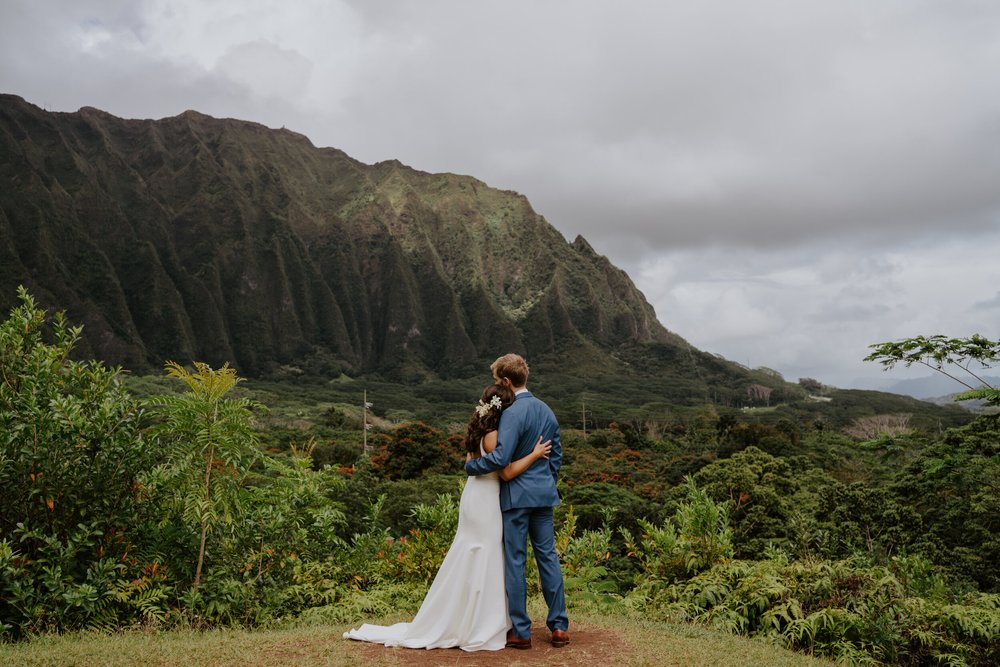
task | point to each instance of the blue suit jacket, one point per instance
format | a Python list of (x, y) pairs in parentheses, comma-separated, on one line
[(520, 425)]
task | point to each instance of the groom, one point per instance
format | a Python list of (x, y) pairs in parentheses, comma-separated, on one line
[(526, 502)]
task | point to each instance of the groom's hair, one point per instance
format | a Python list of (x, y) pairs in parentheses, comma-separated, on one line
[(513, 367)]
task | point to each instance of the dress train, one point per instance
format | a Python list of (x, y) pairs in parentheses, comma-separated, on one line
[(466, 605)]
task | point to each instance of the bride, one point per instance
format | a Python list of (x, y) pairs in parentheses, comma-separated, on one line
[(466, 605)]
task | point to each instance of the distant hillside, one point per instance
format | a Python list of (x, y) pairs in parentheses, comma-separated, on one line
[(932, 386)]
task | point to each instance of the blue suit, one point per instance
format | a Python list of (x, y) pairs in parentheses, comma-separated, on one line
[(526, 502)]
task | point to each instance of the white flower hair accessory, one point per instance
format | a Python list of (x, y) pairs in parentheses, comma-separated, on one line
[(483, 408)]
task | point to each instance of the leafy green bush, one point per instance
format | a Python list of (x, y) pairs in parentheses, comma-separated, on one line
[(842, 609), (694, 539), (758, 490), (286, 551), (952, 487), (585, 558), (899, 613), (590, 503), (414, 557), (71, 459), (106, 525)]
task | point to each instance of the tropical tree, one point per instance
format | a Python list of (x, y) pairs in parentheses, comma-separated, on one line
[(757, 490), (954, 485), (944, 355), (415, 448), (210, 446)]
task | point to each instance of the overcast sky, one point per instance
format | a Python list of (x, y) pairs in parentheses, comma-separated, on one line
[(786, 181)]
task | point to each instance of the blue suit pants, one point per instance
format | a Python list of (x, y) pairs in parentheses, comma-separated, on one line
[(519, 524)]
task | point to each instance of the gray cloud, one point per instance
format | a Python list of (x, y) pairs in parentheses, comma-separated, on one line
[(812, 311), (750, 125), (988, 304)]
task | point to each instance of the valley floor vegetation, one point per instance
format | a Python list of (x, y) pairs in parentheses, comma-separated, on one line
[(187, 503)]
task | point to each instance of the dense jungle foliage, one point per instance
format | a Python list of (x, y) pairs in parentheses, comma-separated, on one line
[(189, 500)]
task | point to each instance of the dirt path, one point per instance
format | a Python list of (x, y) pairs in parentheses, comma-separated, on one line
[(588, 646)]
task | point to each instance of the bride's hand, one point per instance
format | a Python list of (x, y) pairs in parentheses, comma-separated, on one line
[(542, 449)]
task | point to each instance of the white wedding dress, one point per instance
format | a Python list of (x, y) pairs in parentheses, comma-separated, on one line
[(466, 605)]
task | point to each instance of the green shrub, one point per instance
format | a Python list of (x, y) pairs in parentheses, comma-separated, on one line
[(758, 489), (694, 539), (584, 558), (71, 459), (842, 609)]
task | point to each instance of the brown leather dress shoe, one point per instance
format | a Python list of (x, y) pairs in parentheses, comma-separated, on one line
[(513, 641), (559, 638)]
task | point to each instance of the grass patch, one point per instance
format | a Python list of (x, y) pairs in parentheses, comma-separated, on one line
[(306, 645), (641, 643), (666, 644)]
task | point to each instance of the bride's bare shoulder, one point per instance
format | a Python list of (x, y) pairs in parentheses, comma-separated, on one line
[(490, 441)]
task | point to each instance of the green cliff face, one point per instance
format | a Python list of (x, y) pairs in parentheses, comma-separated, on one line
[(222, 240)]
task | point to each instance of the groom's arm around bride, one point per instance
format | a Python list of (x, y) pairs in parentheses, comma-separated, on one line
[(527, 419)]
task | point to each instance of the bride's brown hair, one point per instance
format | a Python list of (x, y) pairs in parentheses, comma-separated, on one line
[(486, 416)]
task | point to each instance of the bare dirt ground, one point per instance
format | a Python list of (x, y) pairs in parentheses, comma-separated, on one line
[(588, 646)]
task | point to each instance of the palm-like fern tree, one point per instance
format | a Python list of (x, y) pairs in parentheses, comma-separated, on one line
[(210, 446)]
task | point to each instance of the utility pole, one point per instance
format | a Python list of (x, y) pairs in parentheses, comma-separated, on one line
[(364, 421), (583, 414)]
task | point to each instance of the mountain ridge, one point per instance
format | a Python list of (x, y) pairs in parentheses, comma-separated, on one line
[(225, 240)]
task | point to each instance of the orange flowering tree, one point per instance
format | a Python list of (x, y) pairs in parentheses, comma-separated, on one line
[(415, 448)]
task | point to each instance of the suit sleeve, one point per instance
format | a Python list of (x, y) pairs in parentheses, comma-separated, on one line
[(501, 455)]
